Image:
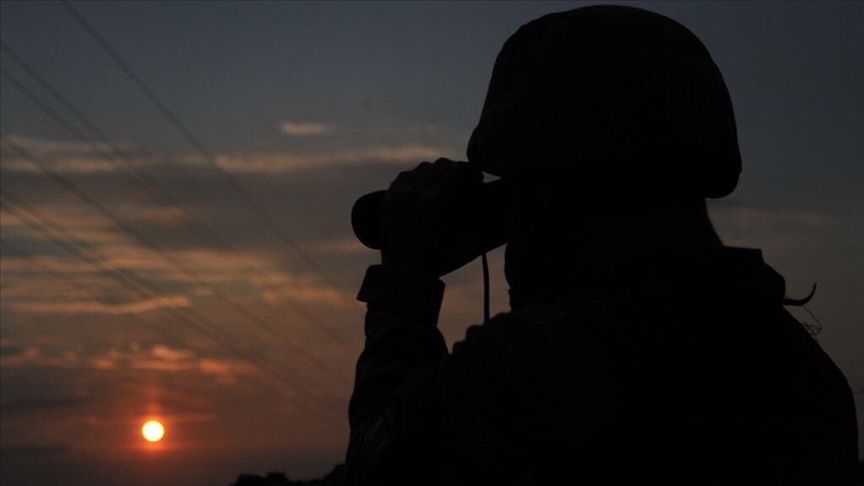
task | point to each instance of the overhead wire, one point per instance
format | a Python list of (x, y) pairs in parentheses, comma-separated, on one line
[(189, 135), (160, 331), (144, 289), (193, 140), (69, 185), (8, 248), (124, 164), (153, 246)]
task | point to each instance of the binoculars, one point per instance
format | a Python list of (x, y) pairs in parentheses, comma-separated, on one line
[(482, 217)]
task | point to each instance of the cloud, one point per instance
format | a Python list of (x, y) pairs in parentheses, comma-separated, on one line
[(53, 147), (103, 364), (746, 216), (24, 356), (341, 246), (223, 367), (165, 359), (10, 350), (166, 353), (208, 265), (82, 223), (86, 291), (33, 452), (282, 163), (35, 263), (281, 287), (158, 358), (31, 355), (304, 129), (165, 216), (40, 404), (95, 307), (66, 165), (407, 153), (751, 224), (34, 287), (68, 157)]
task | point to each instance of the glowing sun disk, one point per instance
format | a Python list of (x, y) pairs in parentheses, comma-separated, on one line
[(153, 431)]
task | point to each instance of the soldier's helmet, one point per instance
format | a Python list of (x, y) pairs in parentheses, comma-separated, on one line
[(617, 97)]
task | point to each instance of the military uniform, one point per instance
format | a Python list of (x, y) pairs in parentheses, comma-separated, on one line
[(680, 367)]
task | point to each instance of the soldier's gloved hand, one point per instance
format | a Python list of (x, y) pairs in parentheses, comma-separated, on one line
[(427, 218)]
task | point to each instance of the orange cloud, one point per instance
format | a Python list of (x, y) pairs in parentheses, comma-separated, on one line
[(304, 129), (165, 358), (224, 367), (170, 216), (67, 157), (159, 357), (281, 163), (280, 287), (165, 353), (344, 246), (95, 307)]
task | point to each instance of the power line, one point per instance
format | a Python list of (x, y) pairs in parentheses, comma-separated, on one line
[(151, 245), (147, 290), (160, 331), (144, 289), (197, 144), (156, 248), (34, 74), (19, 253), (139, 178), (176, 340), (135, 177)]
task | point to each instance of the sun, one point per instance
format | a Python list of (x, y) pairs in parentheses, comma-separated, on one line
[(153, 431)]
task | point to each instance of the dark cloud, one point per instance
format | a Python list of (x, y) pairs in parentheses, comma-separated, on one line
[(40, 405), (8, 351), (33, 452)]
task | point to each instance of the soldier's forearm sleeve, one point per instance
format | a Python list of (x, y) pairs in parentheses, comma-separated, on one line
[(401, 338)]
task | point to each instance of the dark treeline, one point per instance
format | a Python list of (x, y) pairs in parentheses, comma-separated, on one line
[(336, 477)]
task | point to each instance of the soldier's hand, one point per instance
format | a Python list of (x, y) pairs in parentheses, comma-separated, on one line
[(427, 219)]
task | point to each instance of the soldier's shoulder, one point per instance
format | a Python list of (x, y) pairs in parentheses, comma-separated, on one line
[(535, 329)]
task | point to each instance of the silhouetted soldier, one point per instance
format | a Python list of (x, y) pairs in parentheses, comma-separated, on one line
[(638, 346)]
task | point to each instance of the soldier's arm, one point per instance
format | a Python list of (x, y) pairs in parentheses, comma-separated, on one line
[(420, 414), (401, 338)]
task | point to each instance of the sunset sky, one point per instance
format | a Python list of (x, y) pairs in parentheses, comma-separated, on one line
[(206, 278)]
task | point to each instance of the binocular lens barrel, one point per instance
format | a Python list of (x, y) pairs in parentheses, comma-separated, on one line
[(489, 218)]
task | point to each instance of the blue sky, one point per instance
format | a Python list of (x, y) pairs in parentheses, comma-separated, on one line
[(309, 105)]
